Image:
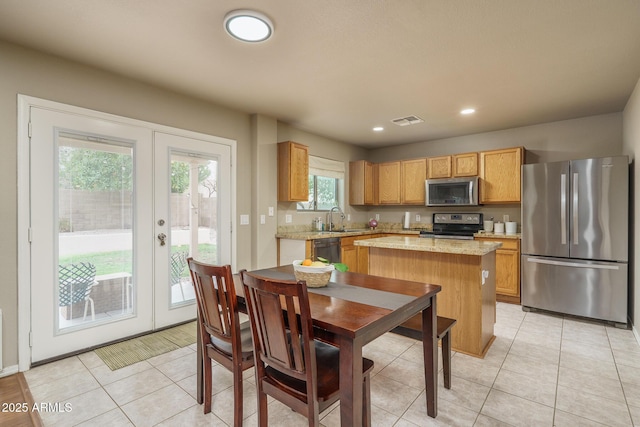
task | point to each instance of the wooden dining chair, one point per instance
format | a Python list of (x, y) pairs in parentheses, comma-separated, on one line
[(292, 366), (224, 339)]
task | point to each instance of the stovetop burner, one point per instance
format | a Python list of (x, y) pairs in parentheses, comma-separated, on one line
[(454, 226)]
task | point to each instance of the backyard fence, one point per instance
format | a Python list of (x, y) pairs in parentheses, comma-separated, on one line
[(82, 210)]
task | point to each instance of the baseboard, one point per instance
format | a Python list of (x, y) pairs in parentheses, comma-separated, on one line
[(9, 370)]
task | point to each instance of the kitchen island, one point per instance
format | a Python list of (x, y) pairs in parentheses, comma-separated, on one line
[(465, 269)]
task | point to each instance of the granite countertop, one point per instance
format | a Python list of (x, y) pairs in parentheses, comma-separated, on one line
[(449, 246), (493, 235), (313, 235)]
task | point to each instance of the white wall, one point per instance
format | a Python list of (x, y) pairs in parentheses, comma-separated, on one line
[(594, 136), (631, 147), (321, 147), (24, 71)]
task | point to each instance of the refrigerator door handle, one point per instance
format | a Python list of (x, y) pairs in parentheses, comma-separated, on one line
[(563, 208), (574, 189), (574, 264)]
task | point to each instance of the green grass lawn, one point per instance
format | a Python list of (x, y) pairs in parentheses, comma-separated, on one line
[(121, 261)]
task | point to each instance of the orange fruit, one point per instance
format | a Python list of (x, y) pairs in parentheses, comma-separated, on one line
[(307, 262)]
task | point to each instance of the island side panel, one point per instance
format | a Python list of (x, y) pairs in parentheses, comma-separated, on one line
[(488, 299), (462, 296)]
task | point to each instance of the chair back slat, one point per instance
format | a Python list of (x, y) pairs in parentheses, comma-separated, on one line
[(282, 325), (216, 299)]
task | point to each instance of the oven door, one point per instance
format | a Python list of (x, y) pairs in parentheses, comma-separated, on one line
[(452, 192)]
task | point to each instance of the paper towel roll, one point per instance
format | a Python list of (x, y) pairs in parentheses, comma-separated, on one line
[(407, 220)]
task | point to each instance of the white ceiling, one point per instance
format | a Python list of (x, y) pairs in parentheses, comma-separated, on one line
[(337, 68)]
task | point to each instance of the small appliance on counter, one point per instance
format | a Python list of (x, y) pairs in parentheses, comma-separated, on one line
[(455, 226)]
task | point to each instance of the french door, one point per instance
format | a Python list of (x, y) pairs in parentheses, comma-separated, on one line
[(116, 207), (192, 219)]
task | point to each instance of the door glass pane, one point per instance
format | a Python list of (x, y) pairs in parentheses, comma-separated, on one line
[(193, 220), (95, 224)]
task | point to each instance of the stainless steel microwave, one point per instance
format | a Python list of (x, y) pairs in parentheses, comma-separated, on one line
[(452, 192)]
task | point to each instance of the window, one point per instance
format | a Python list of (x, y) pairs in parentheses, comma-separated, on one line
[(326, 184)]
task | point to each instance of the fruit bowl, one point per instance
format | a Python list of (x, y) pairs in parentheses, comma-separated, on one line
[(316, 277)]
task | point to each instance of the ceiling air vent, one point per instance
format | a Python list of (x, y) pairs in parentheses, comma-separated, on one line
[(406, 121)]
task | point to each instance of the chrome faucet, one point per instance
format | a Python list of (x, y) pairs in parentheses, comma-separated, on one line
[(330, 218)]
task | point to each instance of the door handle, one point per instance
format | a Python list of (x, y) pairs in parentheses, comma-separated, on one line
[(563, 209), (163, 239), (573, 264), (574, 229)]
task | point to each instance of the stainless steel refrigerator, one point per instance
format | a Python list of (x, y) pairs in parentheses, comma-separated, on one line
[(575, 220)]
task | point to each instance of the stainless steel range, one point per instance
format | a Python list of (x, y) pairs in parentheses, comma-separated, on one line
[(454, 226)]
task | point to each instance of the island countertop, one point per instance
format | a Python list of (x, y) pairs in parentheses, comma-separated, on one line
[(448, 246)]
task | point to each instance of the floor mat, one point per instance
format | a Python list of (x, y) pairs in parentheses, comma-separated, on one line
[(128, 352)]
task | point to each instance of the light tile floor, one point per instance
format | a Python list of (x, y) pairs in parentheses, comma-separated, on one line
[(542, 370)]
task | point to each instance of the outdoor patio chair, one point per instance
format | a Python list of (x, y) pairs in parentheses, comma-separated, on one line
[(178, 266), (74, 285)]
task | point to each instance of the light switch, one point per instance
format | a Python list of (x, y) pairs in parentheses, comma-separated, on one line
[(288, 219), (270, 210), (377, 217), (417, 217), (263, 219), (244, 219)]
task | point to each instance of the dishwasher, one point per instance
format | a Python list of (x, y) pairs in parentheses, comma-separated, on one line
[(328, 248)]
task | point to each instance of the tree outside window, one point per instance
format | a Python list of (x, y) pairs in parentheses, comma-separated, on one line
[(323, 194)]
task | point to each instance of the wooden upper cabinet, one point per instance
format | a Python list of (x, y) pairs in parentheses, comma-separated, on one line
[(500, 175), (362, 185), (439, 167), (465, 164), (389, 177), (414, 173), (401, 182), (293, 172)]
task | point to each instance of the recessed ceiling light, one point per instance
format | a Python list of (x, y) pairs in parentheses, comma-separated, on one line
[(248, 25), (378, 129), (468, 111)]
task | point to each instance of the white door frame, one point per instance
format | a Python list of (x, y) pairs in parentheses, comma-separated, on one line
[(24, 182)]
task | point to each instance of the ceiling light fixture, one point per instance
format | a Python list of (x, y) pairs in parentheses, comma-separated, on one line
[(378, 129), (467, 111), (248, 25)]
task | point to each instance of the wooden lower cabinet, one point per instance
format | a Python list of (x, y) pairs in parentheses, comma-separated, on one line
[(507, 269), (353, 256)]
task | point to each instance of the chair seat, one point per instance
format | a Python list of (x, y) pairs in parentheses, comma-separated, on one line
[(246, 342), (328, 363)]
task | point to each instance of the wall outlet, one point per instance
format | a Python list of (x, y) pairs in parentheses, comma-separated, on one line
[(417, 217), (288, 219), (263, 219), (244, 219), (377, 217), (348, 217), (270, 210)]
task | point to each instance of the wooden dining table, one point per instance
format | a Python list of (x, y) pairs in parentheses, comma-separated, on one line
[(350, 312)]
